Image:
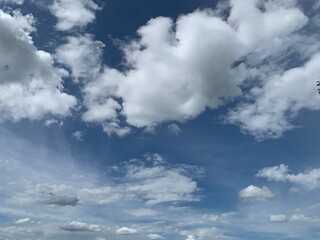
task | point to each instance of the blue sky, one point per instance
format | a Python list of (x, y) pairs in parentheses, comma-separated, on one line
[(177, 120)]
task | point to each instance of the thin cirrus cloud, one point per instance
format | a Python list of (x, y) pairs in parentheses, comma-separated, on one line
[(282, 218), (75, 226)]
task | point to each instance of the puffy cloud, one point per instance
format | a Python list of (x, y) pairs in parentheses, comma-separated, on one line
[(280, 99), (309, 179), (172, 76), (154, 236), (256, 193), (126, 231), (191, 237), (82, 55), (75, 226), (31, 87), (72, 14)]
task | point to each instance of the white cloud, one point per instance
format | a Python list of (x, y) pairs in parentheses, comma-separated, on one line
[(279, 100), (82, 55), (75, 226), (172, 76), (303, 218), (143, 212), (154, 183), (309, 179), (78, 135), (256, 193), (23, 221), (13, 1), (154, 236), (174, 129), (50, 122), (280, 218), (72, 13), (31, 86), (59, 200), (126, 231), (191, 237)]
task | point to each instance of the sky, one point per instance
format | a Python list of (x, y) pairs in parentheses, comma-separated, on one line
[(159, 120)]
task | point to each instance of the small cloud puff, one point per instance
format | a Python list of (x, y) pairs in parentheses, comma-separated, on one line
[(154, 236), (75, 226), (126, 231), (255, 193)]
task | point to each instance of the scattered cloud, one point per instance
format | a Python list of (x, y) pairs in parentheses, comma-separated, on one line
[(309, 179), (59, 200), (191, 237), (280, 218), (23, 221), (143, 212), (82, 55), (31, 85), (154, 236), (50, 122), (279, 100), (78, 135), (13, 1), (255, 193), (174, 129), (172, 48), (75, 226), (126, 231), (71, 14)]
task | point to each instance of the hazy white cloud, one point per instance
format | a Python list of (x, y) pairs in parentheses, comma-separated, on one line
[(279, 218), (23, 221), (59, 200), (126, 231), (75, 226), (50, 122), (72, 14), (13, 1), (154, 236), (174, 129), (255, 193), (78, 135), (143, 212), (309, 179), (82, 55), (31, 86), (153, 183), (191, 237)]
